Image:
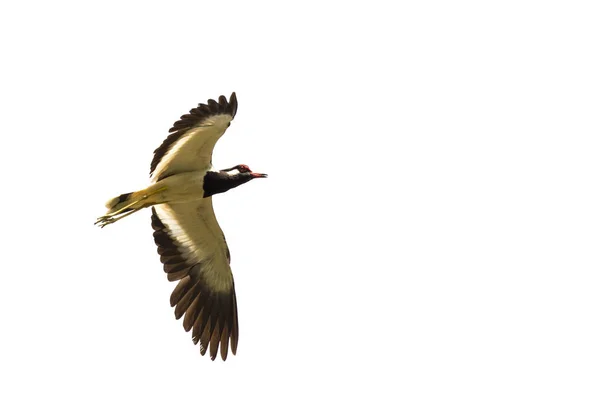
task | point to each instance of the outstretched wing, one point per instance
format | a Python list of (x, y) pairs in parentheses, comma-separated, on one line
[(190, 145), (193, 249)]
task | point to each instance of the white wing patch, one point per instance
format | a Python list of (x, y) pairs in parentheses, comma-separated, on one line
[(199, 239), (166, 160), (193, 151)]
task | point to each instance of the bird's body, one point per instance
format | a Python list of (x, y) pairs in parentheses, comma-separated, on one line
[(190, 242), (183, 187)]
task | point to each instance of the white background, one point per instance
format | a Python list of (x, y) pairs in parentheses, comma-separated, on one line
[(429, 228)]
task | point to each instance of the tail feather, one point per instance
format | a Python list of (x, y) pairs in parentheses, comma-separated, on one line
[(127, 203), (118, 200), (121, 202)]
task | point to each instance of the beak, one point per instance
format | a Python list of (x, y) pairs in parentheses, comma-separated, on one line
[(257, 175)]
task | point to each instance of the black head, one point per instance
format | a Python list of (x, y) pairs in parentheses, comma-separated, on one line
[(222, 181), (238, 168)]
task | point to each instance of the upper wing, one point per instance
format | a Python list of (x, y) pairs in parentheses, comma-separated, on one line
[(190, 145), (193, 250)]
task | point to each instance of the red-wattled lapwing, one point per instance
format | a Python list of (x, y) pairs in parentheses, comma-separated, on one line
[(190, 242)]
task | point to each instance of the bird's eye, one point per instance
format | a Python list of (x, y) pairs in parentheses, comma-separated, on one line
[(244, 168)]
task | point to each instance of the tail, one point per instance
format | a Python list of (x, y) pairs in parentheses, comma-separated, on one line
[(123, 202), (128, 203)]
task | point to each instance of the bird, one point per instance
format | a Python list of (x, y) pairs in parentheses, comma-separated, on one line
[(189, 240)]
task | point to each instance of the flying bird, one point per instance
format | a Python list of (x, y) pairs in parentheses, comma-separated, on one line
[(190, 242)]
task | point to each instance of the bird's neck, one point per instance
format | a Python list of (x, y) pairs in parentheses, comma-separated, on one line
[(220, 182)]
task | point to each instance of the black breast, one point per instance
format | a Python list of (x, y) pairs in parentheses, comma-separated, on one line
[(219, 182)]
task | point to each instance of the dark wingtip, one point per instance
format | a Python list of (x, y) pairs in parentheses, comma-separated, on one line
[(233, 104), (187, 121), (214, 106)]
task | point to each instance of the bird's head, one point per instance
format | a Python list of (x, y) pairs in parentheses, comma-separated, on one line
[(248, 175), (244, 171), (244, 175), (222, 181)]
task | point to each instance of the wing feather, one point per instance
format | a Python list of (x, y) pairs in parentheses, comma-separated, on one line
[(193, 137), (194, 251)]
